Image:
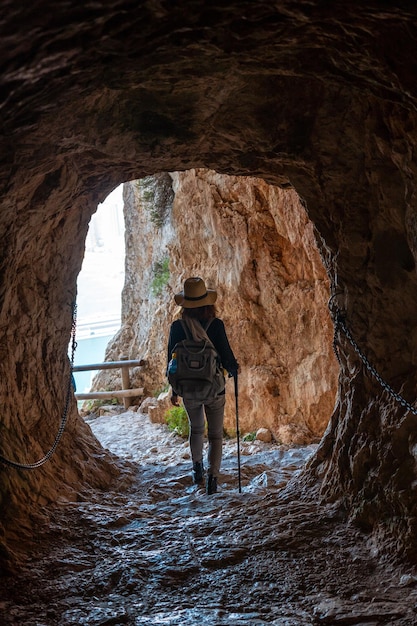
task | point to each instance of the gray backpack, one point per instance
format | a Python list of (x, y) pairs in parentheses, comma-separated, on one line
[(194, 371)]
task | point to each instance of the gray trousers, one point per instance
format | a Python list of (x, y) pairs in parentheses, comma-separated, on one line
[(214, 412)]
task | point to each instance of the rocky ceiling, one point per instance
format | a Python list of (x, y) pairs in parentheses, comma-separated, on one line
[(315, 95)]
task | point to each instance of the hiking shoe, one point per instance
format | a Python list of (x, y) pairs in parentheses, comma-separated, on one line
[(198, 473), (211, 486)]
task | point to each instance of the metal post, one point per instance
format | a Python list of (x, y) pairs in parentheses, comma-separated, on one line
[(237, 431)]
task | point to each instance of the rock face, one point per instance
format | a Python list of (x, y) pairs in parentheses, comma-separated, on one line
[(319, 96), (254, 243)]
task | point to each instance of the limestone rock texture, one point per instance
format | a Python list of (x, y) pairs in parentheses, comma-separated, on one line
[(318, 96), (253, 243)]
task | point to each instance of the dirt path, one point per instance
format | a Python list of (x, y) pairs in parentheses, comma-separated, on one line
[(164, 553)]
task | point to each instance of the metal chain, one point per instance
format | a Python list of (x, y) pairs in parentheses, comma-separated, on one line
[(31, 466), (339, 324)]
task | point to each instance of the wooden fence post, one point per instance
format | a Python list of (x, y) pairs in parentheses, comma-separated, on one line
[(125, 382)]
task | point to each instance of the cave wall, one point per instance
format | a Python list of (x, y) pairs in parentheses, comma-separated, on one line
[(321, 96), (254, 244)]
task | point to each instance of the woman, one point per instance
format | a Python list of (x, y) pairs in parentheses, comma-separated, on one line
[(199, 314)]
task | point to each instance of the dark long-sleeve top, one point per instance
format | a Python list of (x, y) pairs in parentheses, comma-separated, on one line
[(216, 333)]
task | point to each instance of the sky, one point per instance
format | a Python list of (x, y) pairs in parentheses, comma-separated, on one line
[(101, 279)]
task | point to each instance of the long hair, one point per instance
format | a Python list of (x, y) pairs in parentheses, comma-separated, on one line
[(203, 313), (192, 317)]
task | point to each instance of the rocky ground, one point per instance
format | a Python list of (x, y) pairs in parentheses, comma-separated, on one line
[(161, 552)]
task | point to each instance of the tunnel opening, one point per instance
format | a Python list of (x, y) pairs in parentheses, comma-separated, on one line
[(255, 243)]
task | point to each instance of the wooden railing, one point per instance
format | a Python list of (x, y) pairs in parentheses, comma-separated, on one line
[(126, 392)]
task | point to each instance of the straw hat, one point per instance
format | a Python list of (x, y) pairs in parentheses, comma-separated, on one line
[(195, 294)]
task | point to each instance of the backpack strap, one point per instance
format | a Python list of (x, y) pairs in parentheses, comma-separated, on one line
[(208, 324)]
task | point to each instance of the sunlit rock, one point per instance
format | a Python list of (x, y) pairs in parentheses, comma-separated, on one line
[(147, 403), (157, 412), (264, 434)]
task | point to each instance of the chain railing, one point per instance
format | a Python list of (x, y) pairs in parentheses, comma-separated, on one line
[(340, 325), (36, 464)]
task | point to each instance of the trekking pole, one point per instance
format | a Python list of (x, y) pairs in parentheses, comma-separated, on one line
[(237, 430)]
